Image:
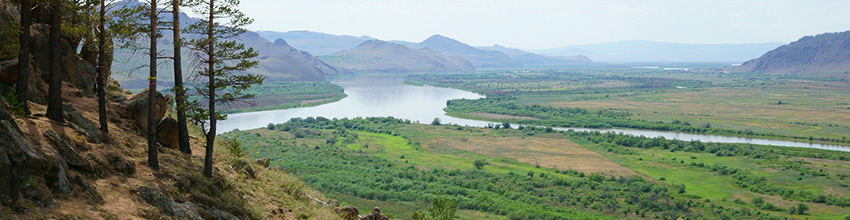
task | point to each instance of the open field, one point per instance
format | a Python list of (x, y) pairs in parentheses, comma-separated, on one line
[(400, 166), (703, 101)]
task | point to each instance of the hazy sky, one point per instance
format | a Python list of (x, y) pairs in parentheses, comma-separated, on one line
[(538, 24)]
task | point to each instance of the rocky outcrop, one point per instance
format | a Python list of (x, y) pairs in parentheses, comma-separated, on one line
[(167, 205), (167, 133), (348, 213), (375, 215), (263, 162), (137, 106), (68, 153)]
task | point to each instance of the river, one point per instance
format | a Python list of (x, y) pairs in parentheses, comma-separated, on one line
[(380, 96)]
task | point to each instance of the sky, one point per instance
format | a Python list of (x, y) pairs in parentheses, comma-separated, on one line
[(542, 24)]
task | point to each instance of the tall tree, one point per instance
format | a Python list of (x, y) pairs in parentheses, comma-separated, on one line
[(24, 55), (222, 61), (54, 94), (101, 67), (179, 89), (153, 161)]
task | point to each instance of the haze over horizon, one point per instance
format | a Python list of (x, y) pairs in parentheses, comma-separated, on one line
[(550, 23)]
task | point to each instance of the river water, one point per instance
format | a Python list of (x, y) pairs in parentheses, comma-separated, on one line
[(379, 96)]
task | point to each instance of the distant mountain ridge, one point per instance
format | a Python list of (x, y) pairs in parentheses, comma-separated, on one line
[(318, 44), (533, 59), (386, 57), (648, 51), (478, 57), (825, 54)]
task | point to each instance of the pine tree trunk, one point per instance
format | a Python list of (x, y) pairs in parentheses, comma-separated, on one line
[(24, 55), (180, 92), (101, 62), (153, 161), (211, 71), (54, 94)]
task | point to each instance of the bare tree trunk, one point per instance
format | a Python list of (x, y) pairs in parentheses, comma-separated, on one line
[(153, 161), (101, 62), (24, 55), (211, 71), (54, 94), (180, 92)]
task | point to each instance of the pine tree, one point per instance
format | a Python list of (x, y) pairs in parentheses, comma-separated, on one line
[(221, 61), (101, 67), (179, 89), (153, 161), (24, 55), (54, 94)]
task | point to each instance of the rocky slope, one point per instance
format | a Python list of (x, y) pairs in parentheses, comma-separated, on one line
[(386, 57), (478, 57), (822, 55), (70, 170)]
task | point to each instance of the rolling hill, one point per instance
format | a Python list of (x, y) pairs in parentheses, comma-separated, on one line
[(478, 57), (533, 59), (822, 55), (648, 51), (382, 56), (319, 44)]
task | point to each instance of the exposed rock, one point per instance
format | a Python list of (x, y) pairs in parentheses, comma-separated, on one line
[(8, 71), (263, 162), (59, 180), (67, 151), (138, 108), (88, 189), (7, 193), (120, 165), (81, 124), (375, 215), (166, 205), (99, 167), (19, 150), (348, 213), (250, 172), (33, 188), (167, 133)]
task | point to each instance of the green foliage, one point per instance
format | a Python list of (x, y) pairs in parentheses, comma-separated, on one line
[(442, 208), (436, 121), (14, 106), (418, 216), (10, 40), (234, 147), (479, 163), (270, 126)]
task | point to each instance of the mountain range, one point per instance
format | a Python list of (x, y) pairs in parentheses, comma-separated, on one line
[(821, 55), (387, 57), (648, 51)]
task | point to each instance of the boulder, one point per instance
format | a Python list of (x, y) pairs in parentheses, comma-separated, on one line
[(19, 150), (81, 124), (120, 165), (137, 106), (263, 162), (166, 204), (7, 192), (9, 72), (347, 213), (59, 179), (167, 133), (88, 189), (375, 215), (67, 151)]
